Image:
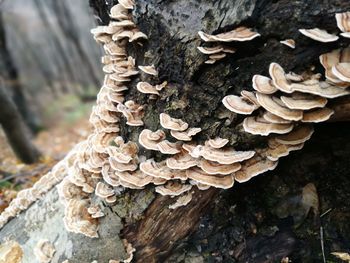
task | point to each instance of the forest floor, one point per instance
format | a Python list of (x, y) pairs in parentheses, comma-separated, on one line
[(62, 134)]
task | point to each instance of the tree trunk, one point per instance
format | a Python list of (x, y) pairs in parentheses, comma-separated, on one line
[(9, 73), (15, 129), (230, 225)]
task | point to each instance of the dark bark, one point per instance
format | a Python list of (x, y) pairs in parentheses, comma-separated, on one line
[(15, 129)]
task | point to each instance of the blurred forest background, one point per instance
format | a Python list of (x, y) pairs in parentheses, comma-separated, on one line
[(50, 72)]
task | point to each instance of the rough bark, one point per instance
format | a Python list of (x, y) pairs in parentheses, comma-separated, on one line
[(194, 94)]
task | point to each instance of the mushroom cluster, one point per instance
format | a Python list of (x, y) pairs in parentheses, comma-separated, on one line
[(285, 105), (219, 51), (28, 196)]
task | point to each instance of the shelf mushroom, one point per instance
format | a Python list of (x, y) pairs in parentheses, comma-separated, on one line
[(343, 23), (319, 35)]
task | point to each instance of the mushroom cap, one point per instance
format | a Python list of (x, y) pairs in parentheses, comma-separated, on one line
[(263, 84), (217, 56), (200, 176), (318, 115), (122, 167), (259, 126), (151, 70), (173, 188), (237, 34), (210, 50), (238, 105), (122, 23), (170, 123), (210, 61), (288, 42), (114, 49), (137, 178), (78, 220), (343, 21), (272, 118), (129, 185), (319, 35), (217, 142), (211, 167), (156, 136), (137, 35), (299, 135), (222, 156), (181, 161), (118, 155), (342, 71), (277, 107), (109, 176), (161, 86), (251, 97), (149, 139), (328, 60), (279, 79), (281, 150), (119, 12), (103, 190), (253, 167), (161, 170), (145, 87), (167, 147), (345, 34), (185, 135), (299, 101), (111, 199)]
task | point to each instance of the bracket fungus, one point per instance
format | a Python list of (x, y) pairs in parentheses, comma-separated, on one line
[(173, 188), (170, 123), (254, 167), (238, 34), (149, 139), (343, 23), (217, 142), (319, 35), (288, 42), (150, 70), (263, 84), (146, 88), (238, 104), (260, 126)]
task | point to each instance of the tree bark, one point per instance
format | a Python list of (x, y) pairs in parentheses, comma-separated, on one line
[(194, 94)]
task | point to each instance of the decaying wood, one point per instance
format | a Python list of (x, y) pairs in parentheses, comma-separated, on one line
[(161, 229)]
